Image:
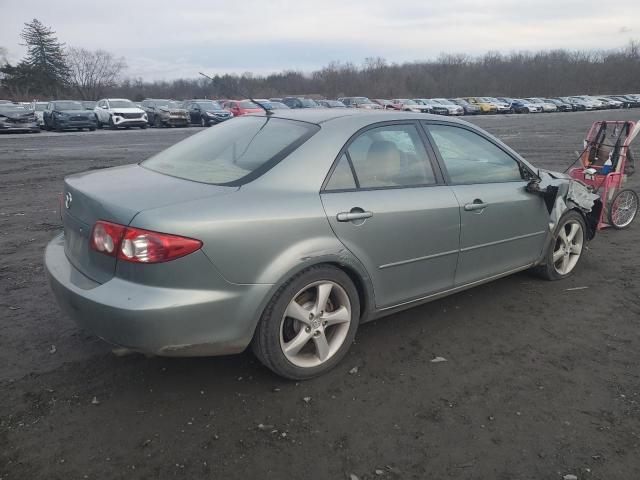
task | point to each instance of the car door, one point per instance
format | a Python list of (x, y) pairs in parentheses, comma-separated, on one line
[(387, 203), (503, 227), (194, 113), (103, 112)]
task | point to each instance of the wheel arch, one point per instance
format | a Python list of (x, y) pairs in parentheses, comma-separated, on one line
[(346, 262)]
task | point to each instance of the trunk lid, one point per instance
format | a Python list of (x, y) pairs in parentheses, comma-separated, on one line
[(117, 195)]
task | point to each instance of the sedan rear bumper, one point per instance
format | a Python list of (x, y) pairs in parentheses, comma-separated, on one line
[(157, 320)]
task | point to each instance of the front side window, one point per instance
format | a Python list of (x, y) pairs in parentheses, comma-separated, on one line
[(234, 152), (470, 158), (389, 156)]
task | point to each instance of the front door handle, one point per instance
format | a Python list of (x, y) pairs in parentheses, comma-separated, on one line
[(476, 205), (354, 214)]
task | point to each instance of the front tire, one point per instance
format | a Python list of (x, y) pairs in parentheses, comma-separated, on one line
[(309, 324), (566, 248)]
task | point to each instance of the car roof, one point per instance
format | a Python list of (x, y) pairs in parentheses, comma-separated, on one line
[(356, 116)]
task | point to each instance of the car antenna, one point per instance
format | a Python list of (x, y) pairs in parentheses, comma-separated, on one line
[(268, 111)]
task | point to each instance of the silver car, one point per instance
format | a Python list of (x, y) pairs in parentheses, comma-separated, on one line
[(286, 232)]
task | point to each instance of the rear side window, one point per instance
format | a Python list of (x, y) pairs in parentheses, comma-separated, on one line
[(390, 156), (234, 152), (342, 177)]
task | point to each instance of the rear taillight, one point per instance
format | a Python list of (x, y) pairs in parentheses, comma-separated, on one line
[(140, 246)]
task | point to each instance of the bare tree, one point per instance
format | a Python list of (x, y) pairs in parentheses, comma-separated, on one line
[(93, 72)]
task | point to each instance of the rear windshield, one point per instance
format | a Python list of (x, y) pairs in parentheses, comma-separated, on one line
[(234, 152)]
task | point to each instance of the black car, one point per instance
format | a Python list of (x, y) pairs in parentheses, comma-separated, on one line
[(576, 106), (16, 118), (68, 114), (165, 113), (299, 102), (206, 112)]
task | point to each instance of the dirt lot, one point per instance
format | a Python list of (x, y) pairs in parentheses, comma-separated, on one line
[(540, 381)]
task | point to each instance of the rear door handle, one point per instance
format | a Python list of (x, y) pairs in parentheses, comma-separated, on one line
[(350, 216), (476, 205)]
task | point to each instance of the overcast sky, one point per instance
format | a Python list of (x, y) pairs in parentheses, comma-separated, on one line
[(172, 39)]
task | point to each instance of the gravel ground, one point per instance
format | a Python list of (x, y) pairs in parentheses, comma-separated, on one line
[(541, 381)]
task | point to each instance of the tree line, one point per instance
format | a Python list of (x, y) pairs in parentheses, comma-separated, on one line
[(52, 70)]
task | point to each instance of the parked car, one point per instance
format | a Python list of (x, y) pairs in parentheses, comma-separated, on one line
[(627, 101), (577, 105), (590, 103), (241, 107), (520, 105), (331, 104), (88, 104), (68, 115), (17, 118), (244, 259), (485, 107), (609, 102), (360, 102), (585, 104), (165, 113), (468, 108), (386, 104), (206, 112), (120, 112), (434, 107), (502, 107), (38, 109), (299, 102), (547, 107), (560, 105), (408, 105), (454, 108)]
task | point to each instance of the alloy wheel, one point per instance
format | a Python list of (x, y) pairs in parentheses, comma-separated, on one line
[(568, 247), (315, 324)]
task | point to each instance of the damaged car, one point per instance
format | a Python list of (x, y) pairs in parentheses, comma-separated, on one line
[(165, 113), (17, 118), (63, 115), (286, 232)]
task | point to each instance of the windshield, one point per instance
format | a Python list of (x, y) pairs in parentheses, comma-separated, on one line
[(209, 105), (122, 104), (68, 106), (233, 153), (41, 107)]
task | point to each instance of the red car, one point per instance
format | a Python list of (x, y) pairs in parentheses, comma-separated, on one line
[(242, 107)]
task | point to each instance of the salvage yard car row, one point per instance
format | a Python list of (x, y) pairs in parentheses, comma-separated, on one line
[(116, 113)]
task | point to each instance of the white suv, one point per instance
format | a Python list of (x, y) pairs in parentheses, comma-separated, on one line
[(119, 112)]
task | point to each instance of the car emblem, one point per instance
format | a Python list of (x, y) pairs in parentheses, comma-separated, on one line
[(68, 198)]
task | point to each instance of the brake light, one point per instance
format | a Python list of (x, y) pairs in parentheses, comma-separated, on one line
[(140, 246)]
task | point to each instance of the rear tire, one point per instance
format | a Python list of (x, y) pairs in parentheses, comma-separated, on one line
[(566, 248), (309, 324)]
